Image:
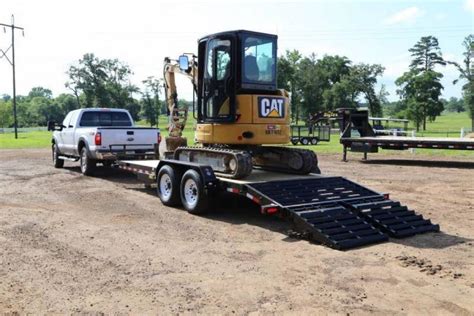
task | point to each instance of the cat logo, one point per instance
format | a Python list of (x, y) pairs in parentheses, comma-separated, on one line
[(271, 107)]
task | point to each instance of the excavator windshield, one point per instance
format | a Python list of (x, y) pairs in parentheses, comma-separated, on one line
[(259, 60)]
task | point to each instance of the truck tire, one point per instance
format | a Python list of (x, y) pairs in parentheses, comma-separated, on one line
[(193, 195), (167, 186), (87, 164), (58, 163)]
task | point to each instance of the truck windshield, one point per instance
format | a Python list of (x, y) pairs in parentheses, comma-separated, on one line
[(96, 118), (259, 59)]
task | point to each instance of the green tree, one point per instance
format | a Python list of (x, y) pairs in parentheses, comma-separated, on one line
[(426, 54), (104, 82), (420, 92), (289, 79), (454, 105), (466, 74), (421, 86), (6, 113), (151, 105)]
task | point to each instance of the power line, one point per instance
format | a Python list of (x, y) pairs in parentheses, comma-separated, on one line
[(12, 63)]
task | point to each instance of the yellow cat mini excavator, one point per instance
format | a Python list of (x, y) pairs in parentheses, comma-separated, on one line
[(240, 112)]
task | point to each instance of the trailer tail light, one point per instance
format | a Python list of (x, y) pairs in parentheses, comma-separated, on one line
[(98, 139), (269, 210), (386, 196), (158, 137)]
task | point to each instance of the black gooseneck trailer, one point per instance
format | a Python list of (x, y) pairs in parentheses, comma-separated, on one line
[(333, 211), (358, 135)]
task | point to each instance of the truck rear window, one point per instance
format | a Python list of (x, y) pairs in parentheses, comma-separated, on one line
[(92, 119)]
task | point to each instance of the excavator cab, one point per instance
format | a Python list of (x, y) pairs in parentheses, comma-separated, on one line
[(229, 64)]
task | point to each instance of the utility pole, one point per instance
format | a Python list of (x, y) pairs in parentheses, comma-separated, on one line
[(12, 63)]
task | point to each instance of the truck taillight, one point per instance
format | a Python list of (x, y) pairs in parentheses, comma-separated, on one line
[(98, 139), (159, 137)]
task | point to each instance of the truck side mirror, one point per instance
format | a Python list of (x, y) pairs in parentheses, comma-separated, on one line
[(183, 62), (51, 125)]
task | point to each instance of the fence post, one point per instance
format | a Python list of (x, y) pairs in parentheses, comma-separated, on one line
[(413, 135), (462, 132)]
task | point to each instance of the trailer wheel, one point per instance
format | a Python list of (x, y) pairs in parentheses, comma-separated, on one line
[(314, 141), (167, 186), (294, 141), (58, 163), (87, 164), (193, 195), (304, 141)]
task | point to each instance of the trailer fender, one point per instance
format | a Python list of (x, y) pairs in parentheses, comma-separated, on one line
[(210, 180)]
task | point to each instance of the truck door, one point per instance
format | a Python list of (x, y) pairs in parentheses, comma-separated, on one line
[(68, 135)]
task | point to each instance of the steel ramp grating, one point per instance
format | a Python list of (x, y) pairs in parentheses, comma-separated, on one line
[(337, 227), (394, 219), (342, 214)]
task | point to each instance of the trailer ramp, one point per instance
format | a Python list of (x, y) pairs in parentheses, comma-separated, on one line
[(340, 213)]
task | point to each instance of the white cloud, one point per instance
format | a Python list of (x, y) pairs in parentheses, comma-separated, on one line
[(469, 5), (407, 15)]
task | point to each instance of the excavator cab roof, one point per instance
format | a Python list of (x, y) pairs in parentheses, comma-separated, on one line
[(236, 33)]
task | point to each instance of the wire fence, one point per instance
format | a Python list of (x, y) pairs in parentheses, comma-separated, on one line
[(23, 129)]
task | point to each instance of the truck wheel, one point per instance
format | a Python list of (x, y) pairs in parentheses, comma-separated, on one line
[(167, 186), (193, 195), (87, 164), (58, 163), (314, 141), (304, 141)]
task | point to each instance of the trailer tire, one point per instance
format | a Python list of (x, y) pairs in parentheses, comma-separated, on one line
[(58, 163), (87, 164), (167, 186), (304, 141), (294, 141), (193, 195), (314, 141)]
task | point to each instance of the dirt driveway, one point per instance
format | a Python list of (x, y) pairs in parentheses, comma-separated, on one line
[(71, 243)]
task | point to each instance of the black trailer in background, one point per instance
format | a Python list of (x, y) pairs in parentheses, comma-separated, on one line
[(310, 135), (357, 135)]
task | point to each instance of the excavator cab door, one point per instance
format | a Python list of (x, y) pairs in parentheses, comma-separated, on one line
[(216, 101)]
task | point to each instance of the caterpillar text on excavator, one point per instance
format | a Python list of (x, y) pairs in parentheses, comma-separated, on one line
[(240, 111)]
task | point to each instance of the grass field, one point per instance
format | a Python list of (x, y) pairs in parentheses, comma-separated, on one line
[(451, 123)]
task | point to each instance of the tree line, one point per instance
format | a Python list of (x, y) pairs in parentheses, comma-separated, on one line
[(315, 84), (333, 82)]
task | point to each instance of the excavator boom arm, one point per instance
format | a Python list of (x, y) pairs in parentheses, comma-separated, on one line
[(177, 115)]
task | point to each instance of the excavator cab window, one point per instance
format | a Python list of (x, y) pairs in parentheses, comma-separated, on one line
[(217, 91), (259, 62)]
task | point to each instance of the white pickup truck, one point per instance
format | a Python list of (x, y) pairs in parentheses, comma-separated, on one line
[(97, 135)]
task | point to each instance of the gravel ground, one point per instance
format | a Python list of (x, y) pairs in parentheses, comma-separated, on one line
[(75, 244)]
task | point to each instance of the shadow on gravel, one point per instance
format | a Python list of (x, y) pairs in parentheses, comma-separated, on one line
[(237, 210), (109, 174), (422, 163), (439, 240)]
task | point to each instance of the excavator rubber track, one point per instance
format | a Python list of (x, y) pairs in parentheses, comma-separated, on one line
[(284, 159), (228, 163)]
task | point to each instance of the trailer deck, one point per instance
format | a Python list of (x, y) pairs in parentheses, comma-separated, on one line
[(333, 211)]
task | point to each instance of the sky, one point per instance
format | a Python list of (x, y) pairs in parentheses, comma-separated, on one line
[(141, 33)]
